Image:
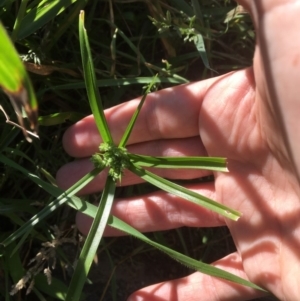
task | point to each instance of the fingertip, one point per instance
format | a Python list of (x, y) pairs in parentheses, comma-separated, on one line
[(82, 139), (71, 172)]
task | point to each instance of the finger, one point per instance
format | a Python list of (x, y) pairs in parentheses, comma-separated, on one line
[(169, 113), (199, 286), (73, 171), (160, 211)]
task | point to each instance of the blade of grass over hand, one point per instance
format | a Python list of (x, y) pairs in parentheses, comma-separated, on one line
[(90, 210), (92, 242), (208, 163), (61, 199), (129, 128), (90, 82), (185, 193), (185, 260), (166, 72)]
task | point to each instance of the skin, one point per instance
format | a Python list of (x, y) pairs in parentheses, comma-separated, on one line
[(248, 116)]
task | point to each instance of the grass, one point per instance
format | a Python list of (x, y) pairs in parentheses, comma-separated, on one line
[(125, 61)]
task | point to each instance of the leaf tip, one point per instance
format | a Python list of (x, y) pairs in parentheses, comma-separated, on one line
[(81, 15), (234, 215)]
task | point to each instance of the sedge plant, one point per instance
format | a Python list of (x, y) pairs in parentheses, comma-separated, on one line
[(116, 158)]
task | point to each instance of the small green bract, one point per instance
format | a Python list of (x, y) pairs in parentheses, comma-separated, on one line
[(113, 157)]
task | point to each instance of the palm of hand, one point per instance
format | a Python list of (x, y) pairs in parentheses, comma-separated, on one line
[(235, 117), (259, 184), (226, 113)]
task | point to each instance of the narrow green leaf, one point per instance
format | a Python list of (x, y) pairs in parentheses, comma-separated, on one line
[(61, 199), (90, 82), (59, 118), (208, 163), (134, 48), (197, 11), (182, 5), (12, 70), (185, 193), (92, 242), (40, 15), (17, 25), (57, 289), (90, 210), (69, 17), (14, 262), (132, 121), (8, 206), (54, 191), (200, 45), (16, 84), (185, 260), (115, 82)]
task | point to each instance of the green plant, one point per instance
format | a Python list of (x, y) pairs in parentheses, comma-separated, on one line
[(116, 158), (18, 167)]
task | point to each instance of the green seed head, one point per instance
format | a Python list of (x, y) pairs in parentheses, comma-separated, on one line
[(113, 157)]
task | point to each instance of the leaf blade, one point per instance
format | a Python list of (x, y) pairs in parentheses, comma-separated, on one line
[(16, 83), (135, 115), (185, 260), (182, 192), (207, 163), (90, 82), (92, 242)]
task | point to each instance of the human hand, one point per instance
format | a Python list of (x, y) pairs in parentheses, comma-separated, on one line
[(234, 116)]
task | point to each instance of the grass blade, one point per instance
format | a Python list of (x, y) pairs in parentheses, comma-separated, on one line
[(16, 83), (59, 118), (182, 5), (200, 45), (185, 260), (185, 193), (134, 48), (17, 25), (197, 11), (90, 82), (129, 128), (208, 163), (40, 15), (115, 82), (61, 199), (90, 209), (92, 242)]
